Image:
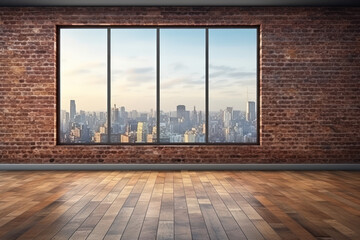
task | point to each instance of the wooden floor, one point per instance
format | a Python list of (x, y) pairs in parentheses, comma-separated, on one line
[(179, 205)]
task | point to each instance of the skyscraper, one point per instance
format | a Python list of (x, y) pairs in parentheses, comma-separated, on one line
[(194, 118), (200, 117), (250, 111), (183, 118), (64, 121), (227, 117), (180, 110), (122, 111), (115, 114), (141, 132), (72, 110)]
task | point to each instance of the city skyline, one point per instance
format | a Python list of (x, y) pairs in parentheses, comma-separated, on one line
[(232, 77), (147, 111), (183, 125)]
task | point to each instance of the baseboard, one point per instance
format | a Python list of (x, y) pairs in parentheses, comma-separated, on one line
[(173, 167)]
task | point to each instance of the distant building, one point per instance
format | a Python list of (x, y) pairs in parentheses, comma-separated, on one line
[(103, 129), (115, 138), (125, 138), (133, 114), (183, 118), (103, 138), (227, 117), (82, 116), (174, 138), (100, 137), (64, 120), (72, 110), (141, 132), (150, 138), (190, 136), (179, 126), (75, 132), (236, 115), (200, 117), (180, 110), (194, 117), (250, 111), (115, 114), (102, 116)]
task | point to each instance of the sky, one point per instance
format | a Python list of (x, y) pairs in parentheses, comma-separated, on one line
[(83, 66)]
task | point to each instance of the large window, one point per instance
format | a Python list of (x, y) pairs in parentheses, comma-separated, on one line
[(157, 85)]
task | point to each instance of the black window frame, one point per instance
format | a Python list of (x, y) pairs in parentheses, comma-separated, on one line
[(158, 28)]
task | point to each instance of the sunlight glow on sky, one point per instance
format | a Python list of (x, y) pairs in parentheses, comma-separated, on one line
[(182, 68), (232, 61)]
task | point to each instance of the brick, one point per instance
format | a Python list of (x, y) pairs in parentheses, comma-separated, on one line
[(310, 86)]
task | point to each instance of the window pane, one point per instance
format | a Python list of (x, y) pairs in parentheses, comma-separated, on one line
[(83, 84), (133, 85), (232, 85), (182, 85)]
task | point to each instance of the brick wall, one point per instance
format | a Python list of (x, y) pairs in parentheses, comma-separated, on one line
[(310, 85)]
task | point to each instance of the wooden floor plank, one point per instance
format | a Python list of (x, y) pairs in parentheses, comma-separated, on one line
[(179, 205), (165, 230), (197, 222), (222, 204), (73, 207), (151, 221), (144, 189), (182, 221), (226, 191)]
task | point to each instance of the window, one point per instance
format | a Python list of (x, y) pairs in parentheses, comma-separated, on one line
[(182, 85), (157, 85), (133, 85)]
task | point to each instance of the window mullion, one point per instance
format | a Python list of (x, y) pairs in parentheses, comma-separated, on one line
[(157, 85), (109, 85), (207, 85)]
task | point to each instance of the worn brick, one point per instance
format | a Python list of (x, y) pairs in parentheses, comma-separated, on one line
[(310, 101)]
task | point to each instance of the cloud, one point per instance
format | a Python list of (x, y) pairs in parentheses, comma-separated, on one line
[(182, 82), (250, 82), (241, 74), (223, 72), (142, 70), (133, 72), (232, 93), (134, 77), (222, 68), (97, 80), (178, 66), (172, 83), (84, 72)]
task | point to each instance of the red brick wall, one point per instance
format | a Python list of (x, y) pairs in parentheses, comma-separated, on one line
[(310, 85)]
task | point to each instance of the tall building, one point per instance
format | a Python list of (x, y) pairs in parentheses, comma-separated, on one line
[(180, 111), (115, 114), (133, 114), (64, 120), (183, 118), (82, 116), (67, 120), (190, 136), (227, 117), (236, 115), (141, 132), (250, 111), (194, 118), (200, 117), (72, 110), (102, 116)]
